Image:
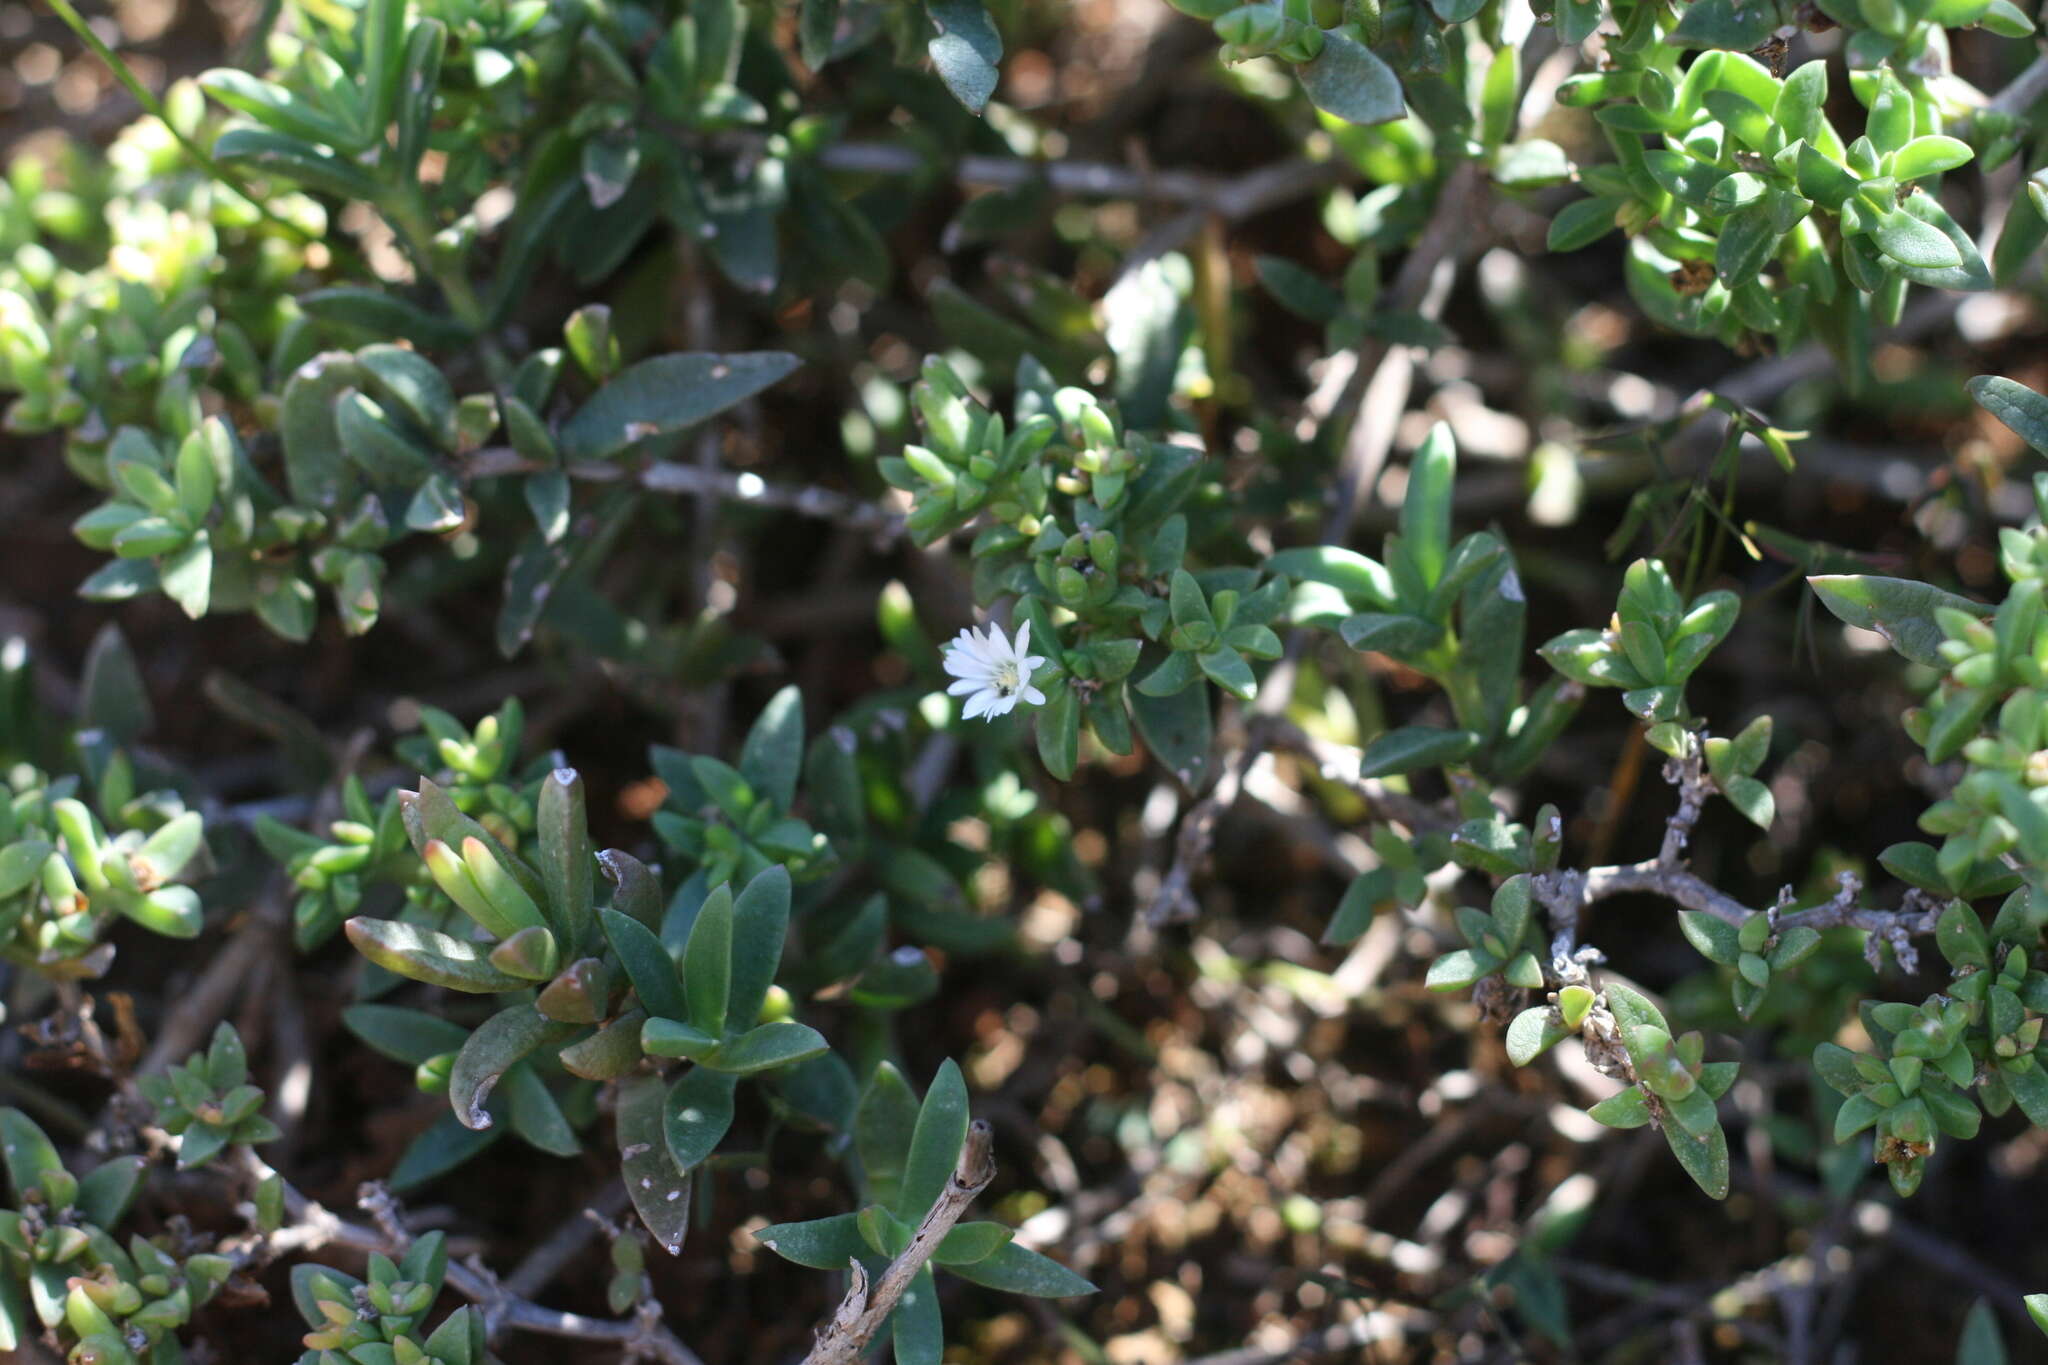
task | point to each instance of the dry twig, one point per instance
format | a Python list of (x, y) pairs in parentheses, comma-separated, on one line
[(861, 1313)]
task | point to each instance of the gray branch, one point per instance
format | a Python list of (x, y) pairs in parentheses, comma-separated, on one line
[(695, 481), (1567, 892), (313, 1226), (861, 1314)]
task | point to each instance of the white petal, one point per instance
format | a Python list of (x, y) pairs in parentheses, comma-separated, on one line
[(1031, 664), (965, 666), (1001, 705), (1023, 641), (976, 704), (1033, 695), (964, 686)]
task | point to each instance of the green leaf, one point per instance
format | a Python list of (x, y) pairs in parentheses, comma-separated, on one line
[(567, 864), (1583, 222), (1413, 747), (383, 314), (915, 1327), (1753, 799), (1822, 179), (1147, 324), (971, 1242), (106, 1192), (648, 964), (1456, 970), (882, 1128), (1349, 80), (459, 1340), (1981, 1343), (1426, 506), (1712, 936), (1396, 635), (379, 447), (821, 1244), (1730, 25), (659, 1189), (166, 852), (1705, 1158), (28, 1152), (965, 50), (1899, 609), (1533, 1032), (381, 46), (532, 575), (1058, 728), (667, 393), (760, 924), (535, 1115), (817, 24), (696, 1115), (443, 1147), (1910, 241), (1747, 239), (1015, 1270), (404, 1035), (426, 955), (279, 109), (1228, 670), (295, 159), (1632, 1010), (2016, 405), (1623, 1109), (1178, 731), (419, 83), (1971, 273), (781, 1043), (707, 964), (1364, 582), (186, 575), (773, 754), (934, 1144), (1929, 155), (496, 1045), (1362, 899), (1298, 291), (112, 696)]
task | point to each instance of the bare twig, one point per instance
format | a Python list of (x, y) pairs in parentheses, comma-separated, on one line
[(861, 1313), (311, 1226), (2027, 87), (1371, 381), (187, 1024), (1565, 893), (1231, 197), (1377, 387), (697, 481), (545, 1261)]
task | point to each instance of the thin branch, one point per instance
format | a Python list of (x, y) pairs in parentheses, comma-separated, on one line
[(1371, 380), (861, 1314), (2027, 87), (1231, 196), (312, 1226), (696, 481), (1340, 763), (1380, 378), (1567, 892), (563, 1245)]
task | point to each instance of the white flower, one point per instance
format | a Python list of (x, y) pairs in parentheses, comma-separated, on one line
[(996, 673)]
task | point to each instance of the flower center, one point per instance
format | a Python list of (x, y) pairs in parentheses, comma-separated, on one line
[(1006, 679)]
